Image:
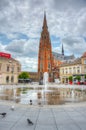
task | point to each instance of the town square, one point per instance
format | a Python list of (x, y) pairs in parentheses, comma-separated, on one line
[(42, 65)]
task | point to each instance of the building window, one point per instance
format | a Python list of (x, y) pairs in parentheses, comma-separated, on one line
[(41, 66), (12, 79), (74, 69), (62, 71), (84, 61), (70, 70), (85, 69), (78, 69), (48, 57), (0, 66), (18, 69), (49, 65), (49, 74), (8, 68), (12, 69), (66, 71), (44, 37), (7, 79)]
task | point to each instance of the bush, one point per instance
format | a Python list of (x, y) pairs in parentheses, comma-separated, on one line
[(78, 78), (70, 78)]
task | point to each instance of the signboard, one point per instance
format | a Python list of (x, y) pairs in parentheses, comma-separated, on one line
[(6, 55)]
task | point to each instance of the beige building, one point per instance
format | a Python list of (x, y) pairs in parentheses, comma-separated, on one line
[(73, 68), (83, 61), (34, 76), (9, 70)]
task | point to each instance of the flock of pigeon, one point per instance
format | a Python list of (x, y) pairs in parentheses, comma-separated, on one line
[(28, 120)]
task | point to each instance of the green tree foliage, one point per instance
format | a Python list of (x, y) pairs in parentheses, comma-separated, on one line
[(24, 75), (70, 78), (85, 76), (78, 78)]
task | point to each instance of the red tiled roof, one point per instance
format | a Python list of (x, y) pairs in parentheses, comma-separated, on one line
[(84, 55)]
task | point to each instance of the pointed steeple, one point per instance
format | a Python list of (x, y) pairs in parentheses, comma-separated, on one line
[(45, 21), (45, 57), (62, 50)]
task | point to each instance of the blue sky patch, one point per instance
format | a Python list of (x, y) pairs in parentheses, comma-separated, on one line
[(55, 41), (4, 40)]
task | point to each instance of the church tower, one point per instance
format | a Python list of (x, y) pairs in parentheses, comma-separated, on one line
[(62, 50), (45, 58)]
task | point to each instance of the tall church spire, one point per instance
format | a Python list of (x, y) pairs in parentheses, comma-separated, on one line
[(45, 58), (45, 21), (62, 50)]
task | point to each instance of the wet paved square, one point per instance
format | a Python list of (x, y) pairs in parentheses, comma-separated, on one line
[(61, 117)]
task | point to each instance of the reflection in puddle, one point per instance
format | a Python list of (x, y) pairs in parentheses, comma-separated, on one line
[(39, 96)]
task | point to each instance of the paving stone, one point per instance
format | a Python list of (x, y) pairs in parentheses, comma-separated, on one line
[(45, 127), (82, 125), (71, 126), (44, 118)]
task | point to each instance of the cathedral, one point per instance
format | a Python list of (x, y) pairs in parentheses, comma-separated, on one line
[(49, 61), (45, 57)]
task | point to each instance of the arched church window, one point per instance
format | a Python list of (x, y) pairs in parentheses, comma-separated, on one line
[(49, 66), (44, 37), (48, 57), (41, 66)]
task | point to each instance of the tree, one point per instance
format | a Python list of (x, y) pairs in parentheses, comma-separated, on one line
[(24, 75), (85, 76), (78, 77), (70, 78)]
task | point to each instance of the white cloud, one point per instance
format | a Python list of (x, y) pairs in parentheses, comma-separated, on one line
[(2, 47), (29, 64), (24, 47), (76, 45), (66, 19)]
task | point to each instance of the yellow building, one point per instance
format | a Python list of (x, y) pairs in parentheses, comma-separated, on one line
[(73, 68), (9, 69), (83, 61)]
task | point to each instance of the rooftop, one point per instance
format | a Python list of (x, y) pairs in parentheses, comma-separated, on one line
[(73, 62), (84, 55)]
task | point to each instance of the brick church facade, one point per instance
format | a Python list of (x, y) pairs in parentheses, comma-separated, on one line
[(45, 56)]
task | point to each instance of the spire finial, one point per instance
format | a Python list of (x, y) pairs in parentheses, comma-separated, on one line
[(62, 50), (45, 21)]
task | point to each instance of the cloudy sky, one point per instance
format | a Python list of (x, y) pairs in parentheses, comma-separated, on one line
[(21, 24)]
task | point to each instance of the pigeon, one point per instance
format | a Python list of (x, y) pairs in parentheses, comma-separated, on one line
[(12, 108), (29, 122), (3, 114)]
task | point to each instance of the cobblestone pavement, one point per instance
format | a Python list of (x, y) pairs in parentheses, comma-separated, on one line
[(61, 117)]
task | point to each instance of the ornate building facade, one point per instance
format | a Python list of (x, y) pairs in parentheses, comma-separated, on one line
[(49, 61), (45, 57), (9, 69), (73, 68)]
